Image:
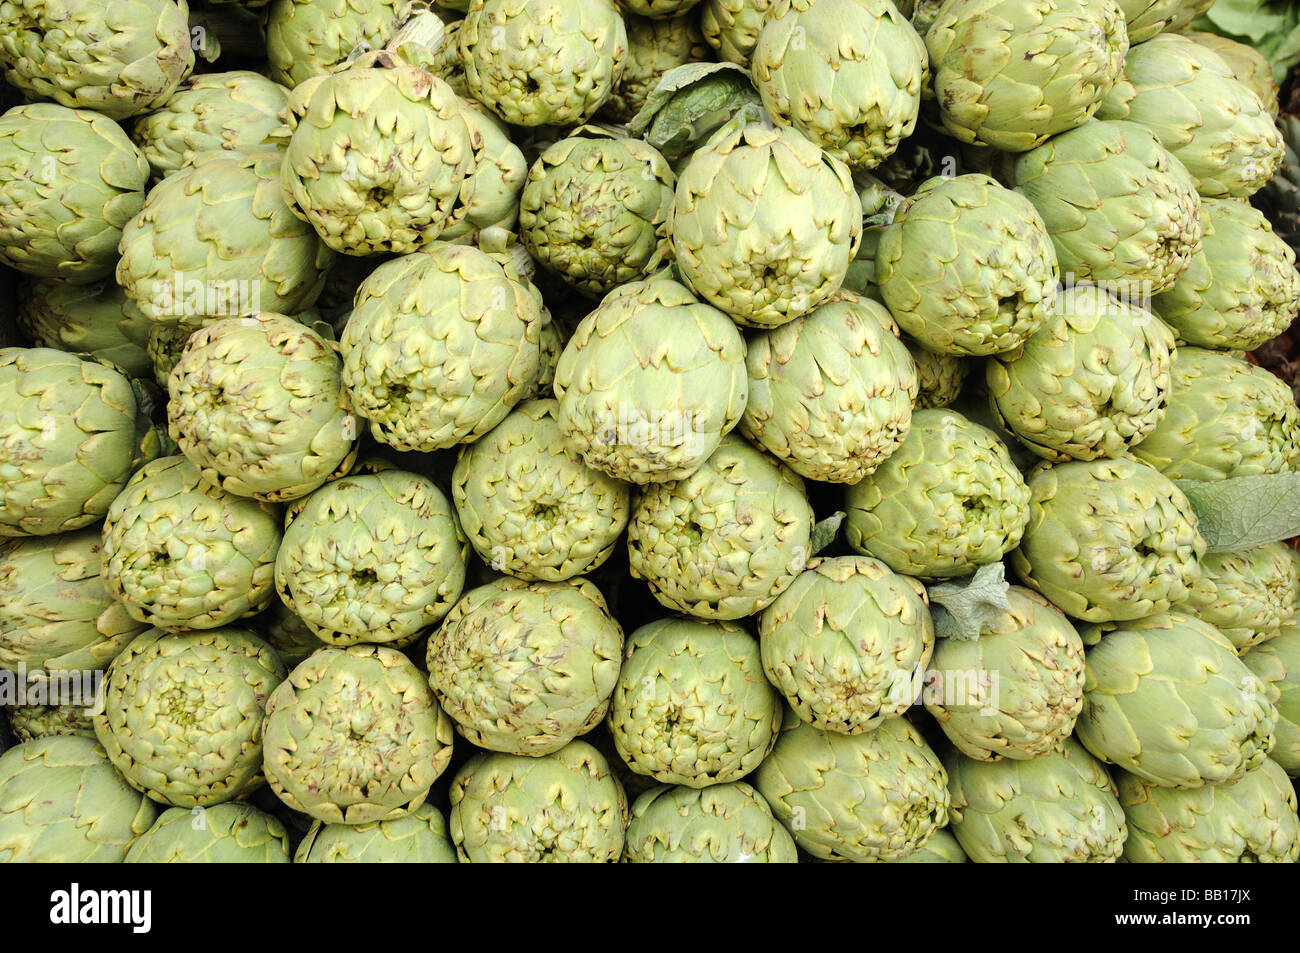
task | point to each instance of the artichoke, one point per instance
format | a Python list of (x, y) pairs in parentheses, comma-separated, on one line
[(96, 319), (489, 195), (654, 46), (523, 667), (181, 554), (1059, 807), (1109, 540), (941, 848), (306, 38), (33, 722), (846, 643), (691, 705), (1277, 663), (1247, 595), (70, 181), (1166, 698), (182, 718), (723, 823), (661, 9), (372, 558), (221, 834), (292, 638), (354, 735), (875, 796), (690, 104), (939, 377), (564, 807), (1247, 64), (1146, 18), (831, 393), (72, 433), (764, 224), (948, 501), (967, 267), (727, 540), (732, 27), (420, 837)]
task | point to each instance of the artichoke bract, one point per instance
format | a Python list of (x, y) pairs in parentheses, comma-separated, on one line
[(650, 383), (543, 62), (70, 181), (1213, 124), (96, 319), (846, 73), (690, 104), (1109, 540), (948, 501), (691, 705), (732, 27), (355, 735), (1277, 662), (1250, 820), (234, 111), (875, 796), (654, 46), (218, 240), (1241, 289), (1166, 698), (72, 432), (62, 802), (198, 740), (420, 837), (720, 824), (181, 554), (1092, 382), (524, 667), (221, 834), (595, 210), (257, 404), (1011, 75), (489, 195), (765, 224), (564, 807), (939, 377), (1225, 418), (941, 848), (529, 507), (1059, 807), (1247, 64), (306, 38), (725, 541), (119, 59), (1016, 689), (1146, 18), (56, 614), (372, 558), (967, 267), (1121, 210), (831, 393), (1247, 595), (846, 643), (441, 345)]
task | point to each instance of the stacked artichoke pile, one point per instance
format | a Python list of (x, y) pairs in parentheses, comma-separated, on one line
[(644, 430)]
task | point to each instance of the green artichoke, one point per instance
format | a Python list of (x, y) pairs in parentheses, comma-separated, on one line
[(489, 195), (661, 9), (650, 383), (595, 210), (967, 267), (564, 807), (33, 722), (875, 796), (831, 393), (1166, 698), (1250, 820), (941, 848), (1146, 18), (221, 834), (690, 104), (691, 705), (939, 377), (1248, 595), (727, 540), (1121, 210), (1015, 690), (70, 181), (306, 38), (182, 718), (524, 667), (732, 27), (118, 59), (1059, 807), (765, 224), (1011, 75), (1226, 418), (420, 837), (948, 501), (354, 735), (1247, 64), (1277, 663), (846, 643), (720, 824), (532, 509), (441, 345), (292, 638), (1109, 540), (543, 62), (1091, 382), (654, 46), (96, 319), (257, 405), (846, 73), (372, 558), (1213, 124), (62, 802), (72, 432)]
